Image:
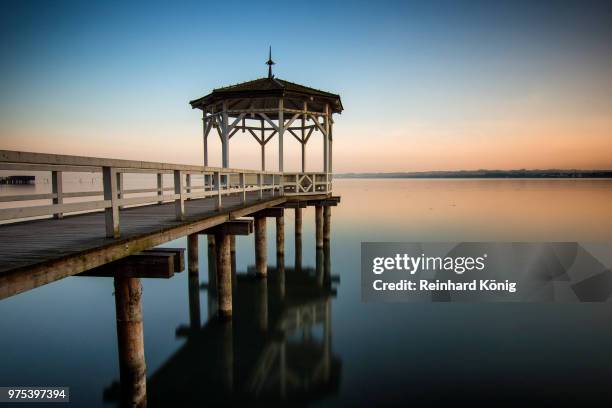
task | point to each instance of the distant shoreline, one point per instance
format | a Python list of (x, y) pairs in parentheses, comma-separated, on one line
[(493, 174)]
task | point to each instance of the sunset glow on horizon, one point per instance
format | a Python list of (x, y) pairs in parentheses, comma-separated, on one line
[(425, 86)]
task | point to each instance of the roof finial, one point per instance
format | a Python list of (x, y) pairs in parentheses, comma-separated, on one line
[(270, 63)]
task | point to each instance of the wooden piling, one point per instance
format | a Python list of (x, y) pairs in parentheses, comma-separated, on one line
[(298, 239), (261, 262), (224, 274), (319, 225), (212, 261), (132, 367), (233, 258), (327, 223), (280, 239), (320, 270), (193, 281)]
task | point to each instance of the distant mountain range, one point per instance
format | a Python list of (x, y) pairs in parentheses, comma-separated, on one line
[(522, 173)]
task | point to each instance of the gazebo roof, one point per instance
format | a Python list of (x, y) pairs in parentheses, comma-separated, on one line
[(269, 87)]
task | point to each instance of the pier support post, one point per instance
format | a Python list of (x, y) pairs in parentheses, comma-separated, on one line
[(319, 225), (132, 367), (261, 262), (224, 274), (298, 239), (280, 254), (280, 241), (327, 223), (212, 276), (320, 272), (193, 281), (233, 258)]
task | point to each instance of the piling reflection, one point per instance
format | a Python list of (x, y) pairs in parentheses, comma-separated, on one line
[(276, 348)]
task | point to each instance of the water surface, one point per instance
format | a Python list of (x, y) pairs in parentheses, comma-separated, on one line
[(64, 333)]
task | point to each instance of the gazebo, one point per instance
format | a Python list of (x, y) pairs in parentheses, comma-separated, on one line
[(269, 107)]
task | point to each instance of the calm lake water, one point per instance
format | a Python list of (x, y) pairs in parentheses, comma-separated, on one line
[(64, 334)]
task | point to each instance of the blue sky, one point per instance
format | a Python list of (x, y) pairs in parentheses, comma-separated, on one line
[(425, 85)]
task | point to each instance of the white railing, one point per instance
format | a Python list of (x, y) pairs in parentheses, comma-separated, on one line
[(218, 182), (306, 183)]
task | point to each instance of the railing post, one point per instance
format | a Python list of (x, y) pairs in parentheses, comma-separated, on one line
[(160, 187), (218, 183), (120, 187), (57, 188), (179, 202), (260, 186), (111, 213), (188, 184), (243, 187)]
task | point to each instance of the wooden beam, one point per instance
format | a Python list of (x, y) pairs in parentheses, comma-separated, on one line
[(294, 204), (233, 227), (270, 212), (267, 119), (140, 265), (179, 256)]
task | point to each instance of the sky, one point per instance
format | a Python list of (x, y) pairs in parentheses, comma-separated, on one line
[(426, 85)]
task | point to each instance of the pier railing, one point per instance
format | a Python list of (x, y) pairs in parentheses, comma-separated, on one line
[(217, 182)]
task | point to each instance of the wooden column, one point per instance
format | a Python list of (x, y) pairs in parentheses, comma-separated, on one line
[(263, 157), (298, 239), (225, 138), (327, 223), (233, 258), (327, 262), (319, 225), (280, 242), (57, 188), (179, 203), (160, 187), (326, 141), (130, 341), (111, 214), (330, 138), (304, 138), (207, 127), (320, 272), (193, 280), (212, 276), (261, 262), (120, 187), (224, 274), (281, 128)]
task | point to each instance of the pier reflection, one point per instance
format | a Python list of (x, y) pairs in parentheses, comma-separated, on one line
[(276, 349)]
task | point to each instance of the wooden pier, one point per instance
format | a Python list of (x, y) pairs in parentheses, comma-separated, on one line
[(113, 232), (39, 251)]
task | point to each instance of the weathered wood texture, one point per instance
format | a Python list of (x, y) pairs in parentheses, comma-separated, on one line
[(37, 252), (261, 246), (130, 339)]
